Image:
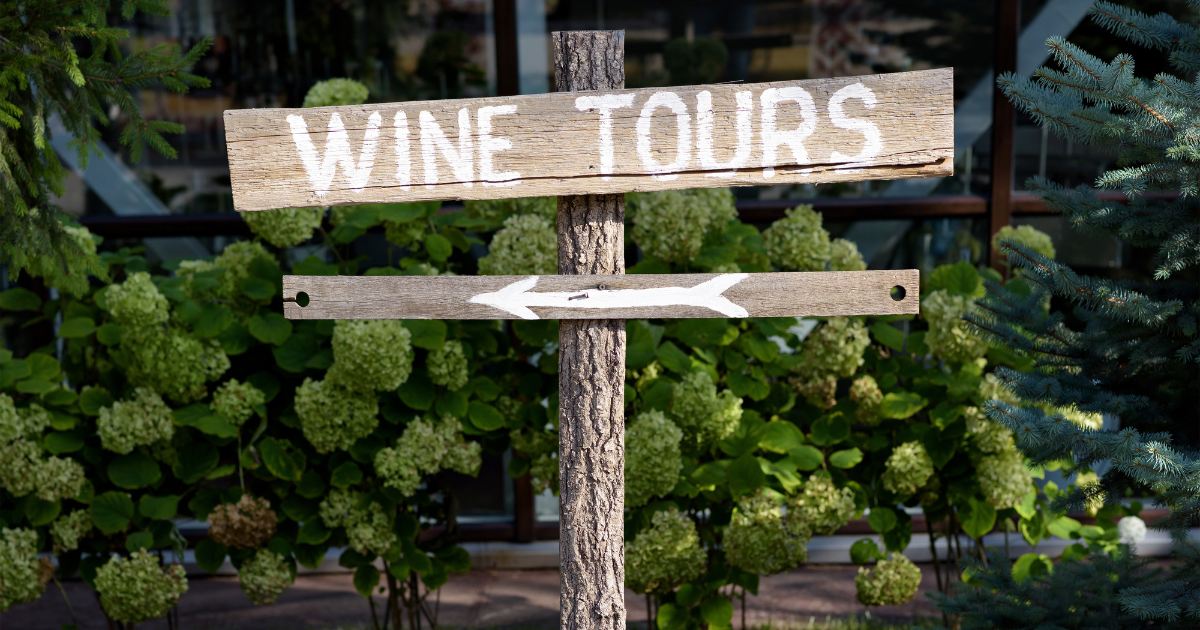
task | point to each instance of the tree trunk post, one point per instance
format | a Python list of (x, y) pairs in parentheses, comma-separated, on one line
[(591, 374)]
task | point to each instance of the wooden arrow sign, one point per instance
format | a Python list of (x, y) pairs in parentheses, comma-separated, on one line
[(885, 126), (794, 294)]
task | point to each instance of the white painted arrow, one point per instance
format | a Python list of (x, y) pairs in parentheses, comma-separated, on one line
[(517, 297)]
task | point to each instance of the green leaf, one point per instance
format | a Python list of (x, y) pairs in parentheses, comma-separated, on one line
[(313, 266), (10, 371), (310, 556), (313, 532), (64, 442), (848, 458), (688, 595), (35, 386), (673, 358), (717, 610), (210, 555), (418, 391), (897, 538), (271, 328), (295, 352), (41, 512), (865, 551), (746, 385), (216, 425), (109, 334), (190, 415), (212, 320), (139, 540), (223, 470), (806, 457), (745, 475), (439, 247), (1074, 552), (671, 617), (60, 398), (159, 508), (484, 388), (452, 403), (346, 475), (761, 348), (1032, 565), (830, 429), (977, 518), (945, 414), (364, 449), (111, 512), (278, 461), (300, 509), (961, 278), (43, 367), (1028, 506), (888, 335), (195, 462), (901, 405), (485, 417), (536, 332), (135, 470), (20, 299), (76, 327), (429, 334), (701, 332), (235, 339), (781, 437), (258, 288), (366, 578), (1063, 527), (710, 473), (456, 559), (882, 519), (436, 576), (401, 212)]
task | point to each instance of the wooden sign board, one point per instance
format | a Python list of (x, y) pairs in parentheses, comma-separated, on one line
[(885, 126), (649, 296)]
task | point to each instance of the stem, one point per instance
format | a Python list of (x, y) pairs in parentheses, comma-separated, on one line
[(743, 608), (937, 568), (649, 612), (241, 476), (66, 600)]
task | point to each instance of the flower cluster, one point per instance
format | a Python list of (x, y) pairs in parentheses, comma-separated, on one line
[(68, 529), (331, 92), (334, 417), (760, 540), (664, 555), (527, 245), (448, 365), (1026, 235), (235, 260), (543, 471), (236, 401), (247, 524), (264, 577), (652, 457), (892, 582), (135, 589), (21, 423), (907, 469), (136, 303), (368, 527), (704, 415), (495, 211), (833, 349), (798, 242), (370, 354), (949, 336), (821, 507), (25, 471), (142, 420), (285, 227), (865, 392), (407, 233), (20, 570), (990, 436), (1004, 478), (1131, 530), (425, 448), (672, 225), (843, 256), (172, 362)]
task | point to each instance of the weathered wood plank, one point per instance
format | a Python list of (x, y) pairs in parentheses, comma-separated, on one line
[(787, 294), (884, 126)]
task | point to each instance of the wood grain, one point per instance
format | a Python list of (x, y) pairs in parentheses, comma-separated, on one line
[(556, 147), (784, 294)]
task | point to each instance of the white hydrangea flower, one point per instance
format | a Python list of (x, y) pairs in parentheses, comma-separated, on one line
[(907, 469), (760, 540), (1028, 236), (1131, 530), (140, 421), (844, 256), (798, 242), (664, 555), (671, 225), (527, 245), (865, 392), (333, 417), (370, 354), (1004, 478), (652, 457), (821, 507), (949, 336), (136, 302), (990, 436), (891, 582), (285, 227), (704, 415)]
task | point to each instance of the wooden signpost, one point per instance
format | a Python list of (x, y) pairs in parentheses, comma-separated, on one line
[(589, 143)]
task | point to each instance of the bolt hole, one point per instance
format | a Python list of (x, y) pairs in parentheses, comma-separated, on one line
[(898, 293), (302, 299)]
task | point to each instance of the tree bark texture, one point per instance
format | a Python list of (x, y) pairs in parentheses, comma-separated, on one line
[(591, 374)]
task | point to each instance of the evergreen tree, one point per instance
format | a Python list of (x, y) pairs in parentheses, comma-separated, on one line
[(1128, 349), (60, 58)]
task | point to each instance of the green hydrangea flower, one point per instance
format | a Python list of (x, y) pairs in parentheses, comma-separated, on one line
[(833, 349), (865, 392), (949, 336), (821, 507), (285, 227), (136, 303), (892, 582), (652, 457), (333, 92), (990, 436), (423, 449), (141, 421), (843, 256), (69, 529), (1004, 478), (337, 506), (369, 529), (527, 245), (760, 540), (664, 555), (371, 354), (907, 469), (543, 471), (21, 423), (407, 233), (236, 401), (137, 588), (264, 577), (495, 211), (1028, 236), (25, 470), (671, 225), (172, 362), (704, 416), (798, 242), (448, 365), (20, 568), (333, 417)]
